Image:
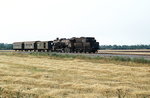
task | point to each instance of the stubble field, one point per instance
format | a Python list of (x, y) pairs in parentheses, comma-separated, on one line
[(47, 77), (145, 52)]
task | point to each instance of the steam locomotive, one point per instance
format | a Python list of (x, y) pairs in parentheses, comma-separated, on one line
[(71, 45)]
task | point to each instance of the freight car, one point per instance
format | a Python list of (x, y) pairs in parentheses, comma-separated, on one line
[(30, 45), (82, 44), (44, 46), (18, 46)]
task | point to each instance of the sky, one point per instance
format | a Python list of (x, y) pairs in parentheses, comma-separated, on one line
[(119, 22)]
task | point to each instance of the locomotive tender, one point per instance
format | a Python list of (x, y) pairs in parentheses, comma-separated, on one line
[(82, 44)]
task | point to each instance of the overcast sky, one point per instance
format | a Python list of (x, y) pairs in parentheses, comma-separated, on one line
[(109, 21)]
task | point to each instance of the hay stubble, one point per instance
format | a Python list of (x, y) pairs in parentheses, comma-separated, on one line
[(42, 77)]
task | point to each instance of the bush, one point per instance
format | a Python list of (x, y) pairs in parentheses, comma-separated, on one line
[(124, 59), (140, 60)]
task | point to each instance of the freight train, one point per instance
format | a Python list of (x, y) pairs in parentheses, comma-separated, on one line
[(71, 45)]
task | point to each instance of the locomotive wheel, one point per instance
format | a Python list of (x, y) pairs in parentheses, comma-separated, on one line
[(67, 50), (62, 51)]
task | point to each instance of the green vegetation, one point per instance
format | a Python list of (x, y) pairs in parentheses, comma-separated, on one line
[(113, 58), (124, 47), (5, 46), (127, 59)]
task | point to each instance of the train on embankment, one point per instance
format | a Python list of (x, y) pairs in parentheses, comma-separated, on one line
[(70, 45)]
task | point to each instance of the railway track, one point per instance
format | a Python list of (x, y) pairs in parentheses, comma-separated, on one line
[(101, 54)]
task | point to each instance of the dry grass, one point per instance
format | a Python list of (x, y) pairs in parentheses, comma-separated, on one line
[(127, 52), (7, 50), (43, 77)]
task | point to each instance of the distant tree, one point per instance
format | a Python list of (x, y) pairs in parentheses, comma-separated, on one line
[(125, 47), (5, 46)]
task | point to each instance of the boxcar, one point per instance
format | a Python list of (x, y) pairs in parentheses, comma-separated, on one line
[(31, 45), (44, 46), (18, 46)]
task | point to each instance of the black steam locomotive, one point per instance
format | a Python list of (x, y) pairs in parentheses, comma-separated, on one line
[(82, 44)]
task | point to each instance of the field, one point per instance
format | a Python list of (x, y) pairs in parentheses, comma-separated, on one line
[(145, 52), (28, 76)]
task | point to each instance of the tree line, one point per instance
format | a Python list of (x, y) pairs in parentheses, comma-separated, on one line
[(4, 46), (125, 47)]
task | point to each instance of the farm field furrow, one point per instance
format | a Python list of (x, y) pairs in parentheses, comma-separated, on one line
[(39, 77)]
